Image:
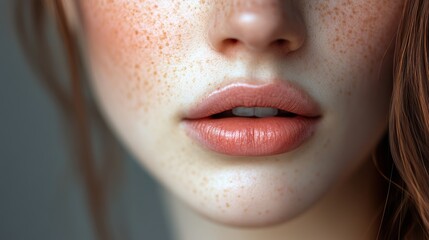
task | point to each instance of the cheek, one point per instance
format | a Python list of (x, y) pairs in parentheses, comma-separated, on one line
[(131, 43), (353, 45), (363, 29)]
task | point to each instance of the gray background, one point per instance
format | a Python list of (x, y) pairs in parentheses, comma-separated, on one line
[(39, 195)]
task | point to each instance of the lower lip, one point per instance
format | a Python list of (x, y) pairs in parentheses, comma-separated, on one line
[(251, 136)]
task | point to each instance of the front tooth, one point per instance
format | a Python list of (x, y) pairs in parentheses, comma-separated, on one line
[(265, 112), (255, 111), (243, 111)]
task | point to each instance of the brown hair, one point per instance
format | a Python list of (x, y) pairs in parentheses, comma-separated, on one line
[(409, 126), (33, 19), (403, 154)]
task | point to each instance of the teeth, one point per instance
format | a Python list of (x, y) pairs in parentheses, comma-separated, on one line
[(244, 111), (255, 111), (265, 112)]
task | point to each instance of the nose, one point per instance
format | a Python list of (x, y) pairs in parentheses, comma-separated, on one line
[(257, 26)]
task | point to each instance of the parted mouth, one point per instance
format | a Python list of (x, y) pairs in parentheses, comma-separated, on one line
[(253, 112), (277, 99)]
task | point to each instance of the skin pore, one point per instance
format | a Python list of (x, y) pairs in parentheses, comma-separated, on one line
[(152, 60)]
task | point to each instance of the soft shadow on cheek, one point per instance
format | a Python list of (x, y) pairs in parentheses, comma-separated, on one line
[(362, 28), (356, 43), (131, 49)]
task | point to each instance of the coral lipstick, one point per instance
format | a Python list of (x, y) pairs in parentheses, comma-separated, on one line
[(213, 124)]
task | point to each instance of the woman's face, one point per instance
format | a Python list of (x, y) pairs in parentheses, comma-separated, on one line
[(328, 61)]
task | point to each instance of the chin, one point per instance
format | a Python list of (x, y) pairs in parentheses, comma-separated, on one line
[(255, 206), (256, 216)]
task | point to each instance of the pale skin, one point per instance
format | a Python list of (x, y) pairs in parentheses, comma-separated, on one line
[(152, 60)]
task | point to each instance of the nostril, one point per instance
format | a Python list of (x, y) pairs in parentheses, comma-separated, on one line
[(280, 42), (230, 42)]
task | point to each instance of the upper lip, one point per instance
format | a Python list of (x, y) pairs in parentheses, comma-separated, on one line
[(281, 95)]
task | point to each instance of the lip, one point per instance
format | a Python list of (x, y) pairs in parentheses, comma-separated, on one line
[(241, 136)]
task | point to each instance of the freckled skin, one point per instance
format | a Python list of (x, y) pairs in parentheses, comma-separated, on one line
[(354, 23), (150, 60), (130, 35)]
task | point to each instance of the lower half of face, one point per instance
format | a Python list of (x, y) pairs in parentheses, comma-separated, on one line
[(152, 61)]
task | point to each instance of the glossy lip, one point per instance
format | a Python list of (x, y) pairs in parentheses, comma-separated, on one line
[(281, 95), (239, 136)]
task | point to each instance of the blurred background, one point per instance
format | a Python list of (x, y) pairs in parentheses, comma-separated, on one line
[(41, 197)]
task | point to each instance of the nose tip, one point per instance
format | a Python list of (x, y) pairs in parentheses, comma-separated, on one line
[(257, 26)]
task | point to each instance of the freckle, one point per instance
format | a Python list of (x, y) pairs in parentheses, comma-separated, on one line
[(227, 205)]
